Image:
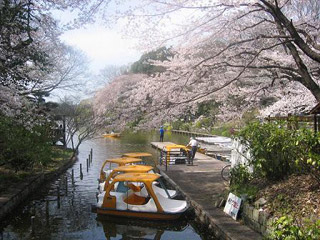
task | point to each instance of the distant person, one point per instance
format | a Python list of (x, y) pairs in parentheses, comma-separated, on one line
[(194, 147), (161, 133)]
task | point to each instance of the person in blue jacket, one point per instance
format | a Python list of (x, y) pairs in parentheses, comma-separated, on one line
[(161, 133)]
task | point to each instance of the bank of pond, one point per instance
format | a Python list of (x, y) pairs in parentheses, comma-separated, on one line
[(130, 201)]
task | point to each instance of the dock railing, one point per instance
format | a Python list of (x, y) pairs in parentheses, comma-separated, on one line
[(197, 134), (172, 157)]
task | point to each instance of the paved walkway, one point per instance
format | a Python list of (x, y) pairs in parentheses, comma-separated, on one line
[(202, 185)]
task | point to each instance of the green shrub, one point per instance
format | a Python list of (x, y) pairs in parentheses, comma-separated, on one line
[(226, 130), (277, 151), (22, 148), (285, 228), (205, 122), (240, 174), (249, 116), (308, 154), (177, 124), (240, 182), (185, 126)]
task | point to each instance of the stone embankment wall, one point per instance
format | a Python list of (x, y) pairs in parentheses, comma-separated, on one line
[(256, 218), (15, 195)]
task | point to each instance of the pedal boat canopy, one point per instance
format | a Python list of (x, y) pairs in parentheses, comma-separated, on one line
[(124, 169), (145, 156), (168, 193), (117, 161), (137, 154), (136, 204)]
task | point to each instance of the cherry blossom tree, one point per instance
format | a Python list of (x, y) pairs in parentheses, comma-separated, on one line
[(33, 61), (245, 49), (81, 122)]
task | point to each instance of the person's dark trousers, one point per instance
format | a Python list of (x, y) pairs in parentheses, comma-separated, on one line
[(193, 152), (161, 138)]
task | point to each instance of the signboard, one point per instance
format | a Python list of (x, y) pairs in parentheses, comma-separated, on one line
[(232, 206)]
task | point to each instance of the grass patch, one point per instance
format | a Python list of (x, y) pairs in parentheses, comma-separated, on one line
[(247, 191), (9, 177)]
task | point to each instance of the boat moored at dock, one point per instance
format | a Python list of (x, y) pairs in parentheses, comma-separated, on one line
[(117, 161), (158, 187), (142, 203)]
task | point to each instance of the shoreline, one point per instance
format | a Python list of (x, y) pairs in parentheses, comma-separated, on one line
[(17, 193)]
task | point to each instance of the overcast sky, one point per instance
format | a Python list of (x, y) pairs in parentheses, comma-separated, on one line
[(103, 46)]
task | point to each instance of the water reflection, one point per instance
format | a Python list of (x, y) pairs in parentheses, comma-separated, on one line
[(117, 228), (70, 216)]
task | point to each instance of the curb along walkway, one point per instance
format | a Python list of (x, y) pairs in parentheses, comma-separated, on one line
[(202, 186)]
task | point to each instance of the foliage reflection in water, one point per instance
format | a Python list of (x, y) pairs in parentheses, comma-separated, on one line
[(48, 216)]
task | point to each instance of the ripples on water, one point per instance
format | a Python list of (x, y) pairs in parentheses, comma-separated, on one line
[(71, 217)]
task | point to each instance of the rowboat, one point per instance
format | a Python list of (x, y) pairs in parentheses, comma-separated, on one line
[(158, 188), (116, 161), (143, 203)]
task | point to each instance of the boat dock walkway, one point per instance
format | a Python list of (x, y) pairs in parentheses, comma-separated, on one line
[(202, 185)]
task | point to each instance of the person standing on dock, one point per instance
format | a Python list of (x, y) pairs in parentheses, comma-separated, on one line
[(194, 146), (161, 133)]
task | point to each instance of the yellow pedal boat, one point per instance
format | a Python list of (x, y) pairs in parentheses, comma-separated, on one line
[(145, 205), (111, 135), (145, 156), (116, 161), (136, 186)]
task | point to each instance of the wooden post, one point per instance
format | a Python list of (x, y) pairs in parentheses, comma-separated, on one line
[(32, 224), (166, 154), (47, 211), (58, 196), (72, 176), (81, 174), (66, 185), (87, 164), (64, 131)]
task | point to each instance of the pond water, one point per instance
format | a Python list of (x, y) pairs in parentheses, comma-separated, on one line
[(42, 216)]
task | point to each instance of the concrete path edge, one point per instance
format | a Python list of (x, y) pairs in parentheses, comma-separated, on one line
[(204, 217)]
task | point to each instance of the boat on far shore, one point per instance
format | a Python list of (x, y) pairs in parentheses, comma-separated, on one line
[(111, 135)]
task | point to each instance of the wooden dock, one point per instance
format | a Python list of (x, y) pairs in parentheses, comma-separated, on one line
[(202, 185)]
